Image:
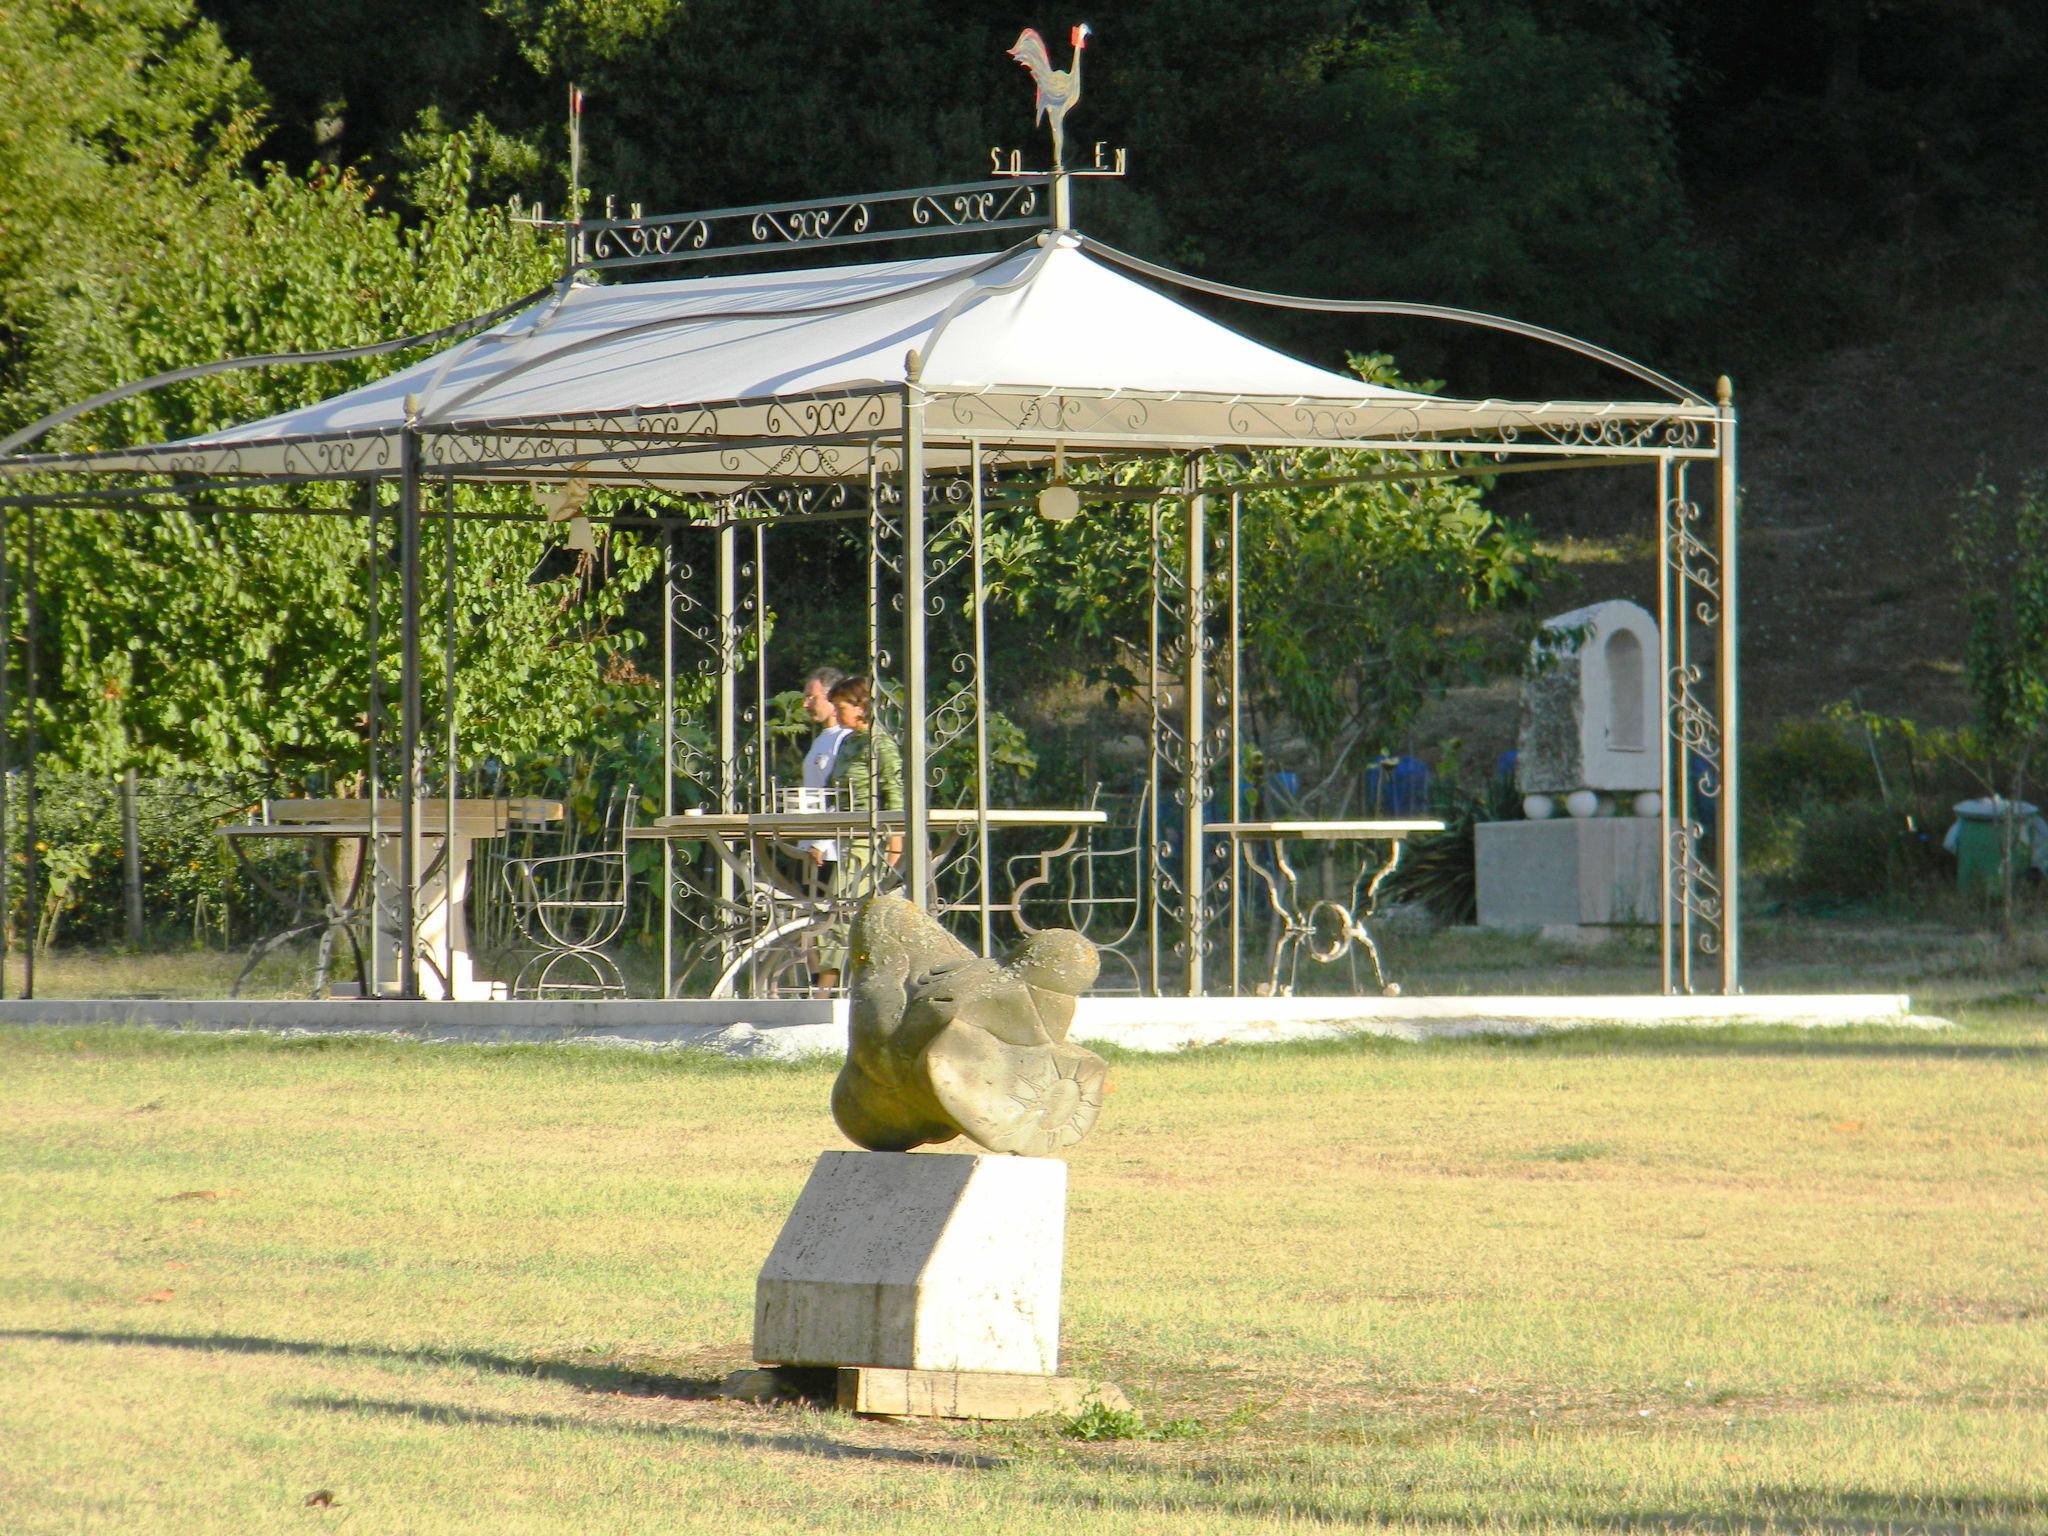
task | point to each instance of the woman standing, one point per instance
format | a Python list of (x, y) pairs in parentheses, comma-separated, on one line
[(870, 766)]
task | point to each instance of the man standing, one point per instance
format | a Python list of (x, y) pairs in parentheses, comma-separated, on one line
[(822, 752)]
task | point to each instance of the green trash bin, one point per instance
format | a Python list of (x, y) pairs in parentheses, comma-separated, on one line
[(1978, 841)]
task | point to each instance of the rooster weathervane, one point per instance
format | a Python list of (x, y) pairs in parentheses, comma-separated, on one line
[(1058, 90)]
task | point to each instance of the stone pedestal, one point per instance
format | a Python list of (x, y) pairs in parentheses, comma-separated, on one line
[(921, 1262), (1597, 871)]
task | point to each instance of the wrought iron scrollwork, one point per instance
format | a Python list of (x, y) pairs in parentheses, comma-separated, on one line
[(919, 213)]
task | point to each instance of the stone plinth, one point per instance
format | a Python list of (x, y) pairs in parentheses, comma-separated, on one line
[(1602, 870), (918, 1261)]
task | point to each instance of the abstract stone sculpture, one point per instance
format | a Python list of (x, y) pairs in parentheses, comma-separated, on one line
[(945, 1043)]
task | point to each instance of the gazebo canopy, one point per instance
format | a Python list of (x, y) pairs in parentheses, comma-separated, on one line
[(717, 383)]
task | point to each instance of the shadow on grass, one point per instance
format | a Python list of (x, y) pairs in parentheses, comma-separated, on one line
[(588, 1377), (809, 1445)]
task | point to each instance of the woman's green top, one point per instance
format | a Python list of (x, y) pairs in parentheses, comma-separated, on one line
[(865, 759)]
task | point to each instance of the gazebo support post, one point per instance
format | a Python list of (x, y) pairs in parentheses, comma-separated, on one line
[(409, 702), (1728, 824), (1196, 682), (1668, 740), (976, 513), (916, 841), (668, 754), (448, 871), (762, 761), (1236, 810), (372, 734), (727, 632), (6, 754), (31, 751)]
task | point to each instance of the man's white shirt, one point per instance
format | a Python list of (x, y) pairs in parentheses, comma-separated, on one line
[(818, 773)]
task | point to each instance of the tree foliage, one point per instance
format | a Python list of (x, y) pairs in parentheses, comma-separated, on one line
[(2001, 551), (217, 638), (1350, 595)]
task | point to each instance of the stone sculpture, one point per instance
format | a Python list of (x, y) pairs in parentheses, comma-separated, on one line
[(945, 1043)]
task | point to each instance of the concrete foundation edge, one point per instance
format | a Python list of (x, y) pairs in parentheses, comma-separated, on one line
[(799, 1028)]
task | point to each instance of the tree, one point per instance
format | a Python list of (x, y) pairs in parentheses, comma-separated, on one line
[(1349, 593), (218, 639), (2001, 551)]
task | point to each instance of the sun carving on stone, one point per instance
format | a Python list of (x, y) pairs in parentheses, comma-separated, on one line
[(1062, 1092)]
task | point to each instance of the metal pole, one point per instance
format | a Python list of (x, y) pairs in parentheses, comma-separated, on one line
[(448, 870), (916, 843), (1195, 706), (874, 634), (409, 701), (980, 711), (33, 747), (6, 752), (1682, 670), (1150, 831), (373, 847), (1730, 824), (1236, 754), (725, 579), (572, 230), (761, 763), (668, 755), (131, 859), (1667, 738)]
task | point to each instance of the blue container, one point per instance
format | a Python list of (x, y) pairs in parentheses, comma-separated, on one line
[(1397, 786)]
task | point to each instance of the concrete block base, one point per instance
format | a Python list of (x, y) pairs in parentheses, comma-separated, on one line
[(918, 1262), (1570, 871), (969, 1394)]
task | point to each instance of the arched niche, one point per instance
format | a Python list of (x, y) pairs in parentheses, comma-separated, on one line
[(1625, 715)]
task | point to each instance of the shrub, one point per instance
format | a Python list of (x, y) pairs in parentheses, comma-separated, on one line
[(1865, 850)]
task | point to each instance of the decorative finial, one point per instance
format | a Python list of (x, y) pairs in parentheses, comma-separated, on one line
[(1058, 89), (913, 365), (1724, 390), (412, 410)]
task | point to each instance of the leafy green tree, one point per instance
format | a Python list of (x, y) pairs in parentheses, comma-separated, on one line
[(2001, 552), (218, 639)]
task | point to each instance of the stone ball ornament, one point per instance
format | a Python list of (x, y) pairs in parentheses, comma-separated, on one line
[(944, 1042)]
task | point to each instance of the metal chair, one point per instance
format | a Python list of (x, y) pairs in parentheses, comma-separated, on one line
[(1098, 892), (569, 906)]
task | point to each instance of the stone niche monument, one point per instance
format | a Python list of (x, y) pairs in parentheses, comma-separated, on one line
[(1589, 768), (931, 1281)]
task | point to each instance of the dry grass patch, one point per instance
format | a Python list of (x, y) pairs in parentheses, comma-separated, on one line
[(1737, 1280)]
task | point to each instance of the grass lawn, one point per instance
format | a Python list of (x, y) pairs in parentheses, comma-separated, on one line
[(1671, 1280)]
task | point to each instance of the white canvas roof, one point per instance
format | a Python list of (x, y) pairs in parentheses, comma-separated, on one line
[(723, 381)]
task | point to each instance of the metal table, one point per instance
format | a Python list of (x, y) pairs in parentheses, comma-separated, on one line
[(440, 939), (1325, 928), (779, 910)]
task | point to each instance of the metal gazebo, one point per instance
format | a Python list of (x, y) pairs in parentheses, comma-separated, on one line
[(919, 397)]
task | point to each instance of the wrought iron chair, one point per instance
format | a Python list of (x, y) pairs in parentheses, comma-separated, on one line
[(1099, 891), (569, 906)]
